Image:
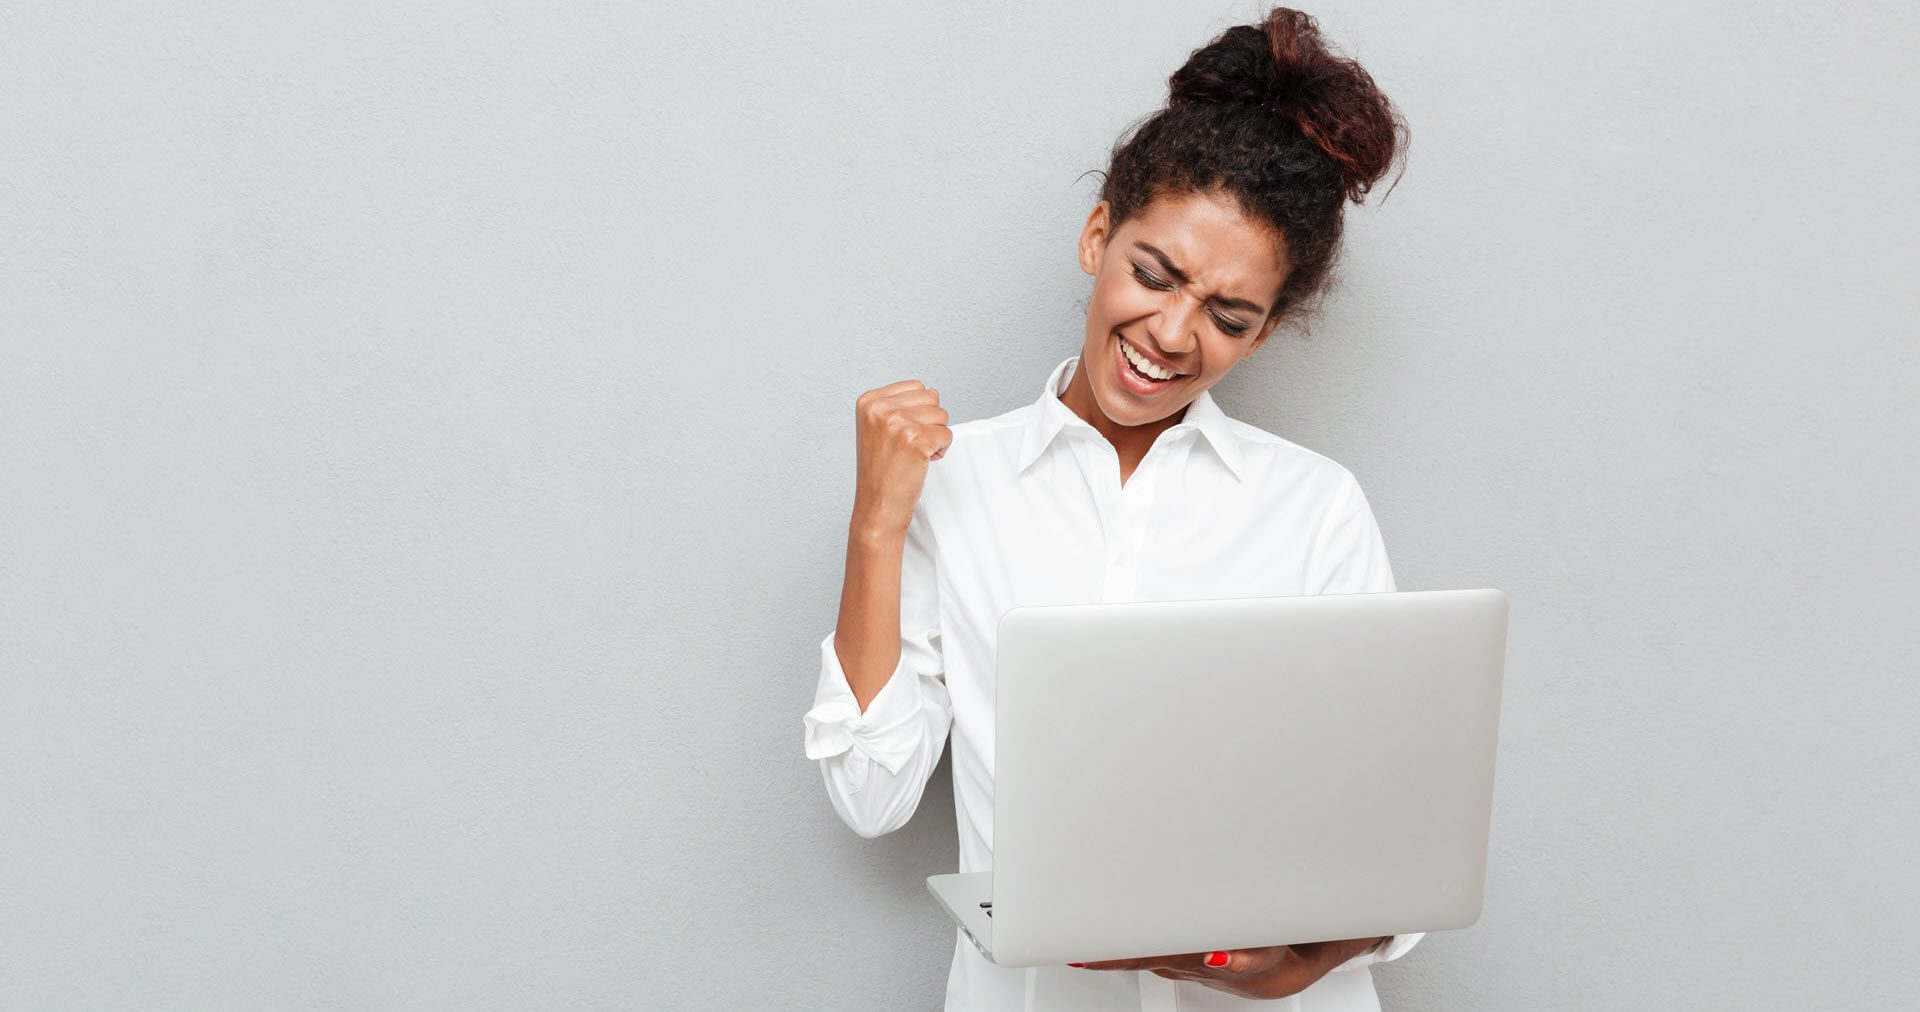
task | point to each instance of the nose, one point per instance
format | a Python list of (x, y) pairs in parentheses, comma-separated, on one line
[(1180, 318)]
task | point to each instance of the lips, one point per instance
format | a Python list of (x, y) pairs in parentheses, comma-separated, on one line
[(1177, 374), (1133, 382)]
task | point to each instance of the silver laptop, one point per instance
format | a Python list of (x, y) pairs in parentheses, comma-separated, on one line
[(1183, 776)]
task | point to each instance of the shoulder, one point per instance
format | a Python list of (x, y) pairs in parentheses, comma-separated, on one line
[(1274, 459), (981, 439), (1007, 424), (983, 451)]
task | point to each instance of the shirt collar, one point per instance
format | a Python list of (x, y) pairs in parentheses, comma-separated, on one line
[(1050, 416)]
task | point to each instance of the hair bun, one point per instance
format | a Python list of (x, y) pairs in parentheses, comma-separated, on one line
[(1295, 49), (1267, 65), (1284, 67), (1234, 72)]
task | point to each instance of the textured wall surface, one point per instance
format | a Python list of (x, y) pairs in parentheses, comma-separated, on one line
[(426, 430)]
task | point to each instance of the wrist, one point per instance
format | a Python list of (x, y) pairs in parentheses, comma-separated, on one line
[(872, 529), (872, 532)]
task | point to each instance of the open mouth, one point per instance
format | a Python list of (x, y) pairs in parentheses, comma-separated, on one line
[(1130, 374)]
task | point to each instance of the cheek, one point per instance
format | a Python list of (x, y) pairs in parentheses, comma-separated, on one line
[(1119, 301), (1102, 314)]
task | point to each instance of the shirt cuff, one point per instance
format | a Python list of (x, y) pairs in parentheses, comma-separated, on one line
[(1393, 948), (883, 734)]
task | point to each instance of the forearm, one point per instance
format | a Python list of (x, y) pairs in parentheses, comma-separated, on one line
[(1315, 960), (867, 634), (1336, 953), (1384, 949)]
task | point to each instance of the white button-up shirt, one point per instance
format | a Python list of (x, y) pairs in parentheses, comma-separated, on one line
[(1027, 507)]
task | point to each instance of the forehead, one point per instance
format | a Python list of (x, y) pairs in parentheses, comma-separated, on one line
[(1210, 239)]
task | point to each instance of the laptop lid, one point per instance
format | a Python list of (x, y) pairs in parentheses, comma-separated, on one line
[(1180, 776)]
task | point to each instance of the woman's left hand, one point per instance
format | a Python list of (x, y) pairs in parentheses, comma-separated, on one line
[(1273, 971)]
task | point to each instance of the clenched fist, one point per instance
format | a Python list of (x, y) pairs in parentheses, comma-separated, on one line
[(901, 430)]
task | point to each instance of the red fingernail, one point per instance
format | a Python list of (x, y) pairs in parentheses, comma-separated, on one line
[(1076, 964), (1216, 959)]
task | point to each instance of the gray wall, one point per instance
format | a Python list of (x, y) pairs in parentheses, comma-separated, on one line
[(426, 439)]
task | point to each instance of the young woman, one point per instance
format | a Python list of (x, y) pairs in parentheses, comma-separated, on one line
[(1219, 217)]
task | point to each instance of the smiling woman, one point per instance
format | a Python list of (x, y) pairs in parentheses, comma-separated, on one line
[(1225, 212), (1219, 218)]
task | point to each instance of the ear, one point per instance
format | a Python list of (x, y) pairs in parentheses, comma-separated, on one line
[(1093, 239)]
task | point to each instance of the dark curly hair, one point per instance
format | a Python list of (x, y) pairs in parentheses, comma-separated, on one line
[(1270, 115)]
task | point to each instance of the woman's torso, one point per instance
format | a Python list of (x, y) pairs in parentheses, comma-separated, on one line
[(1028, 508)]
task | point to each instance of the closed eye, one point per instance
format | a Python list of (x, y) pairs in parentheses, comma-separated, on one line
[(1149, 279)]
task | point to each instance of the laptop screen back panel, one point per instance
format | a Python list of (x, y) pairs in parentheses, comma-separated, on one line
[(1165, 783)]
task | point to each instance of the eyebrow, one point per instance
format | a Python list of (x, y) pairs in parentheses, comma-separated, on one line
[(1181, 276)]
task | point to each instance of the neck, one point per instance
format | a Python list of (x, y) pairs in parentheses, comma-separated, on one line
[(1129, 441)]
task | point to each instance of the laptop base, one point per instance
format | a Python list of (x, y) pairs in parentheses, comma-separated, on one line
[(968, 899)]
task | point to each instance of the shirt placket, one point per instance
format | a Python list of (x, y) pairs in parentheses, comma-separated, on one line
[(1124, 511)]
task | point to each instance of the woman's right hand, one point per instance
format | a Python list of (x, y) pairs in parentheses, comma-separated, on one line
[(901, 430)]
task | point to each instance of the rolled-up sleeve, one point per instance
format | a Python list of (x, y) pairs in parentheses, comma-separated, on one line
[(1393, 948), (1350, 557), (876, 763)]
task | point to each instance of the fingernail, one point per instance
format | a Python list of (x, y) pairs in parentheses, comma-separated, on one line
[(1076, 964), (1216, 959)]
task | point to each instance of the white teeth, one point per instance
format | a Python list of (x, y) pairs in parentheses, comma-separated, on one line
[(1142, 364)]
